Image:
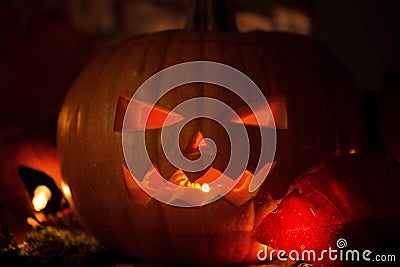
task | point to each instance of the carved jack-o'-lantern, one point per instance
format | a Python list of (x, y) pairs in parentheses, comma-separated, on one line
[(312, 99), (30, 181)]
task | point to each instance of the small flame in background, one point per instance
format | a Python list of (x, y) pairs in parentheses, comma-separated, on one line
[(66, 190), (41, 196)]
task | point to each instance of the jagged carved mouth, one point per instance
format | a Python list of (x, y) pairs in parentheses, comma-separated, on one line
[(209, 186)]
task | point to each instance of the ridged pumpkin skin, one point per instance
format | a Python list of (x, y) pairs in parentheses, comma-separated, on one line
[(323, 119)]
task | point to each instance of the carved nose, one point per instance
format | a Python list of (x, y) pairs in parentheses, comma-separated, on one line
[(195, 147), (192, 150)]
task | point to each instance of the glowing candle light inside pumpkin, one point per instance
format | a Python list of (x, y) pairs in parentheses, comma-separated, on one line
[(41, 196), (205, 188)]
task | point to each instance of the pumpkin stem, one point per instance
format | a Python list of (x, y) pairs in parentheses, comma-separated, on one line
[(211, 16)]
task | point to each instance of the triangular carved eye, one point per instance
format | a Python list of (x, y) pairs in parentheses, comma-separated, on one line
[(277, 120), (135, 117)]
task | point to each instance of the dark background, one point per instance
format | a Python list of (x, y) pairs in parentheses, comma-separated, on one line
[(44, 45)]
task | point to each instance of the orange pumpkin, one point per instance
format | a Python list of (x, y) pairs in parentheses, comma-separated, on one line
[(312, 97)]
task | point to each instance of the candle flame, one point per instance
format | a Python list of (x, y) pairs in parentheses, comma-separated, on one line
[(41, 196), (66, 190), (205, 188), (182, 180)]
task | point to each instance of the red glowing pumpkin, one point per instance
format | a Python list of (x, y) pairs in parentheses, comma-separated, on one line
[(353, 198), (315, 108)]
